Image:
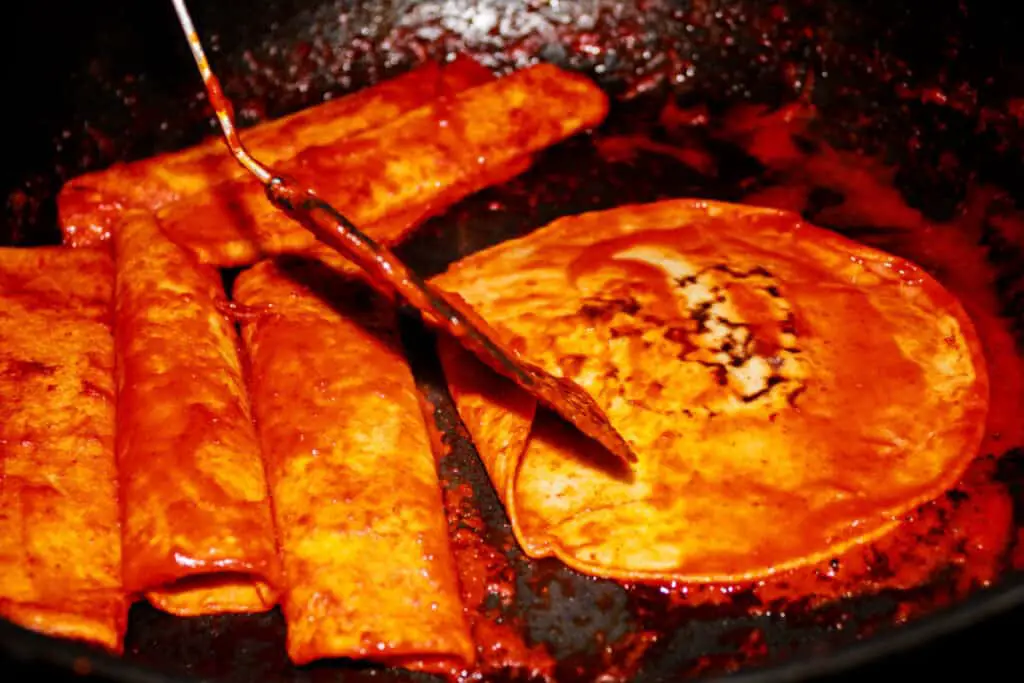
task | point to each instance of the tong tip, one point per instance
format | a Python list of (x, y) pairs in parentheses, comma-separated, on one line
[(220, 103)]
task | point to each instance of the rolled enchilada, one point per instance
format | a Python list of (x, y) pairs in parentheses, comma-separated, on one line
[(60, 544), (387, 178), (90, 204), (363, 533), (198, 532)]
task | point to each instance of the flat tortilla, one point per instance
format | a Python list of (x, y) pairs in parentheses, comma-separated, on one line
[(198, 533), (60, 545), (790, 393), (419, 162), (364, 537), (91, 204)]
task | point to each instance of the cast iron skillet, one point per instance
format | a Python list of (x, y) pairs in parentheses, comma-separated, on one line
[(112, 81)]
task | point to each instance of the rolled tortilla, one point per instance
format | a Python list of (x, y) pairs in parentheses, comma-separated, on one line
[(198, 532), (90, 204), (789, 393), (421, 161), (359, 512), (60, 545)]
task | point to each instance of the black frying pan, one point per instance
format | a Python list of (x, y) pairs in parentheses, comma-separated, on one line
[(112, 81)]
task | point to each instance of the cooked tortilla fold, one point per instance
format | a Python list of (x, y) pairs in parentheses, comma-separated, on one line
[(789, 392), (60, 545), (363, 532), (417, 163), (90, 204), (197, 527)]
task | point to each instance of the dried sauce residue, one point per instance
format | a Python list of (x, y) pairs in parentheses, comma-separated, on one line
[(486, 574)]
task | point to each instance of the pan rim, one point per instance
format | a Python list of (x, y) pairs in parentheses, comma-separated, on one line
[(30, 648), (983, 605)]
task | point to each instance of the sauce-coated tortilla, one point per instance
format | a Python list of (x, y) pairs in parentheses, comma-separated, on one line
[(789, 392), (363, 533), (91, 204), (60, 542), (417, 163), (197, 528)]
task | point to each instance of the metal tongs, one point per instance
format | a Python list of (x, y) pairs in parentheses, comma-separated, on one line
[(390, 275)]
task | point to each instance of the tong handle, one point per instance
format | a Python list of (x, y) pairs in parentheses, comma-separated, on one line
[(390, 276), (332, 228)]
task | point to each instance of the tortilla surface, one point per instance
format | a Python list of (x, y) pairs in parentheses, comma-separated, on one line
[(363, 533), (198, 533), (90, 205), (389, 177), (789, 392), (60, 541)]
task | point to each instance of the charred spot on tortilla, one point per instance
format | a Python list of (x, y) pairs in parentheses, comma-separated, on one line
[(749, 358)]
